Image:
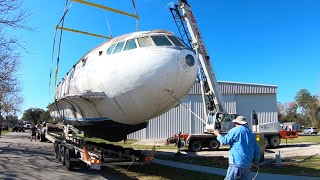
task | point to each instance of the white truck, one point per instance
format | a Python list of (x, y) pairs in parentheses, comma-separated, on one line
[(211, 96)]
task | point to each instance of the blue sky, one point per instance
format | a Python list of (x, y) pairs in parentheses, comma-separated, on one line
[(265, 42)]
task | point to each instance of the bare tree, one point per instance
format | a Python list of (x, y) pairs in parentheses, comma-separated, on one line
[(12, 17)]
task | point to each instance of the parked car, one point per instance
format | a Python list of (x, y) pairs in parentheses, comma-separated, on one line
[(27, 126), (18, 129), (311, 130)]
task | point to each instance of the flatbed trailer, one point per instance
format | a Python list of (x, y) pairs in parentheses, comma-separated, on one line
[(73, 151)]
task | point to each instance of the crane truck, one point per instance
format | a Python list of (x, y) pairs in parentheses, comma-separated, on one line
[(215, 115)]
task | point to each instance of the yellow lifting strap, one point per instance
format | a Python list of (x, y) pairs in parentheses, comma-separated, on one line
[(106, 8), (82, 32)]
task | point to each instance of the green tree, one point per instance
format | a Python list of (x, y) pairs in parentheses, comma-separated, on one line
[(33, 115), (12, 18), (45, 116), (310, 107)]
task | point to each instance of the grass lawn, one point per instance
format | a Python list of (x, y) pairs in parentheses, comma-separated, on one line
[(300, 139), (155, 172), (130, 143), (4, 132), (300, 166)]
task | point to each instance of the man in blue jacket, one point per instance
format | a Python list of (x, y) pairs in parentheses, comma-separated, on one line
[(244, 149)]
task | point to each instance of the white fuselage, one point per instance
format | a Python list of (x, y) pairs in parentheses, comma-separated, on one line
[(128, 87)]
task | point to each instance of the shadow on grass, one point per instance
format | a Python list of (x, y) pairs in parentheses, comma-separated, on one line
[(298, 166), (154, 171)]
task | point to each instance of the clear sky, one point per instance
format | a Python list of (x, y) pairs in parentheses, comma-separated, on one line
[(265, 42)]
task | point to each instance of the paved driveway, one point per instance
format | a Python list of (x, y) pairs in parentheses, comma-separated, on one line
[(22, 159)]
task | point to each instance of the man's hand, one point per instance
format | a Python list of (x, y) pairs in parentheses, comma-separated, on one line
[(216, 132)]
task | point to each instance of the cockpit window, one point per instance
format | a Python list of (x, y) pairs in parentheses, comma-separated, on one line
[(145, 41), (161, 41), (131, 44), (176, 41), (118, 47), (110, 49)]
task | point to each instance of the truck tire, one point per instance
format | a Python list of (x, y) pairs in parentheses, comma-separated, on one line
[(195, 146), (213, 144), (266, 143), (67, 158), (274, 141)]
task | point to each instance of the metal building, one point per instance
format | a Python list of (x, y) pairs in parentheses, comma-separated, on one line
[(240, 98)]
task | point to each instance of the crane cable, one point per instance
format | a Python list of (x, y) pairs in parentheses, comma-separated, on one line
[(137, 15), (59, 47), (52, 56), (54, 43)]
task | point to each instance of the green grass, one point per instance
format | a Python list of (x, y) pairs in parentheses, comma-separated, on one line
[(130, 143), (157, 172), (300, 166), (4, 132), (300, 139)]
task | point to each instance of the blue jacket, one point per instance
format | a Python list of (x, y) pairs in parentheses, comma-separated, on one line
[(244, 149)]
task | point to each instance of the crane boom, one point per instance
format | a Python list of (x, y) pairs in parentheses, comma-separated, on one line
[(201, 51)]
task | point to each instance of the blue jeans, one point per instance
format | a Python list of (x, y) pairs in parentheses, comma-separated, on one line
[(234, 172)]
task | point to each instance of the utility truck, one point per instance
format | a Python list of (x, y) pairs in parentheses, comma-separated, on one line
[(215, 115)]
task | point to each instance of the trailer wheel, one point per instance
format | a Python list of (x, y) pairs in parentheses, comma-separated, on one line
[(56, 150), (62, 154), (59, 152), (195, 146), (213, 144), (67, 159), (274, 141)]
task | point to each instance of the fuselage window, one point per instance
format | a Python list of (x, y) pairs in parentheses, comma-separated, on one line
[(183, 42), (161, 41), (110, 49), (71, 74), (118, 47), (176, 41), (145, 41), (84, 61), (131, 44)]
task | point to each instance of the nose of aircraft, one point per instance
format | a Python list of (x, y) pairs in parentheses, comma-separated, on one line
[(188, 59)]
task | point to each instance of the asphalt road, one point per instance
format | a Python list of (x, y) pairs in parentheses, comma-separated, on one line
[(21, 158)]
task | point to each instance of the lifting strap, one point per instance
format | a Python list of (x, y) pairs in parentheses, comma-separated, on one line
[(135, 10), (82, 32), (106, 8)]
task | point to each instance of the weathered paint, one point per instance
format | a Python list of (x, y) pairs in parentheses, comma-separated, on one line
[(129, 87)]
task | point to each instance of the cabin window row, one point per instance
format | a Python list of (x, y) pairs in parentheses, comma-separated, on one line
[(145, 42)]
